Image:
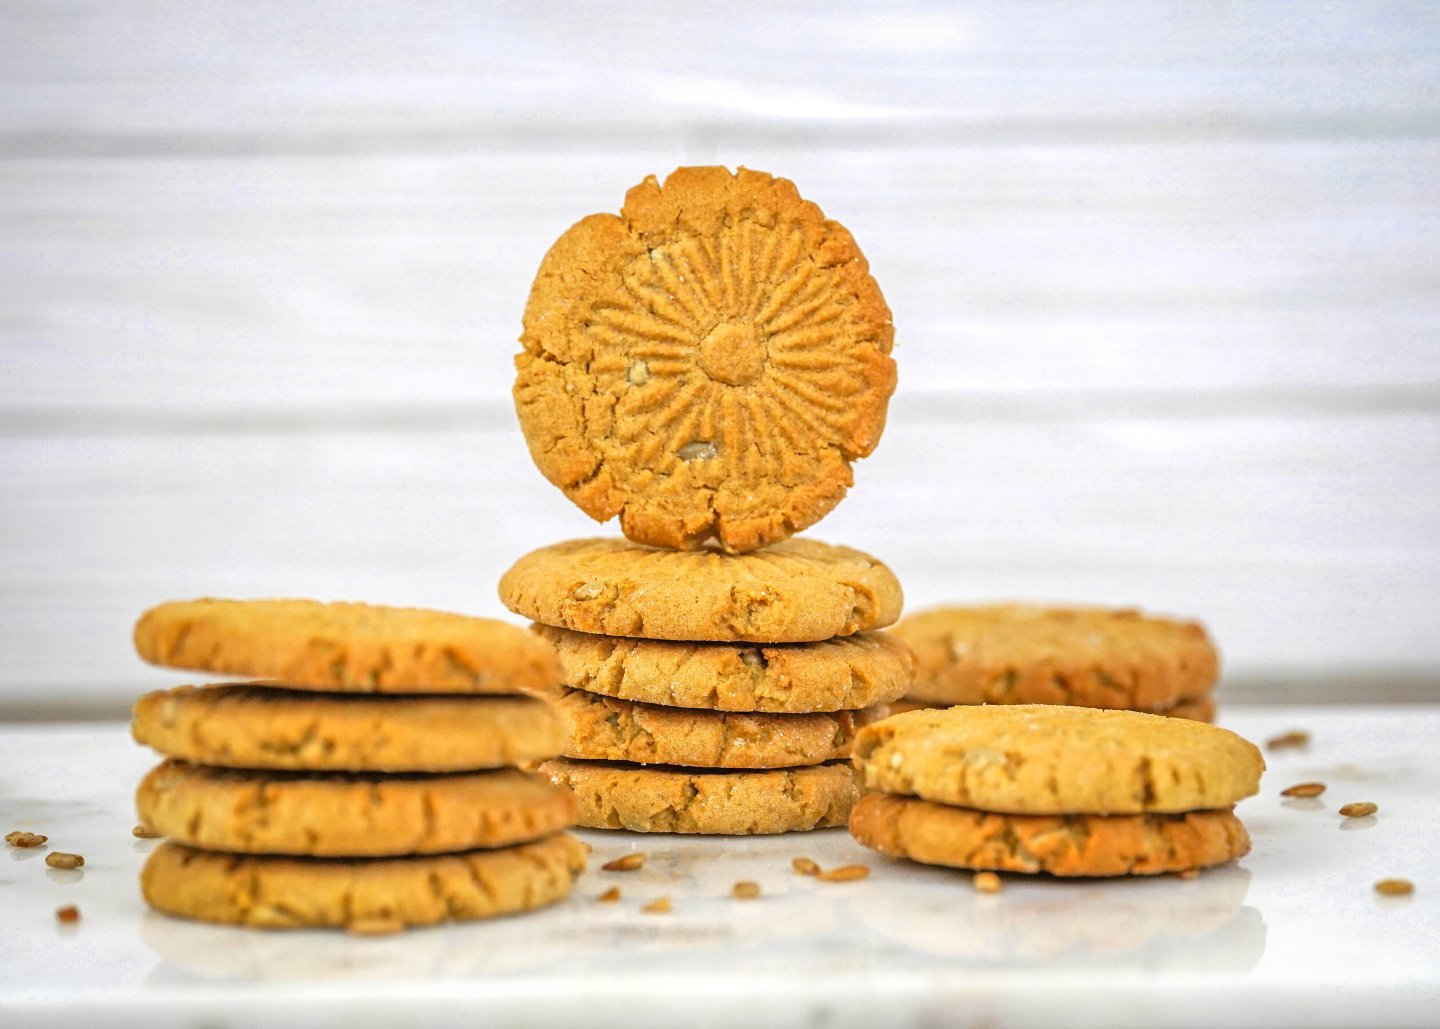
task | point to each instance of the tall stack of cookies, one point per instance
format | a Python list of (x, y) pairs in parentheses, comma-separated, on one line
[(1081, 656), (365, 779), (706, 365)]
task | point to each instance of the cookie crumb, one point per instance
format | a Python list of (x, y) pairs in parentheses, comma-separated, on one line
[(1304, 789), (1359, 809), (1288, 740), (144, 832), (658, 906), (1395, 887), (68, 915), (986, 882), (610, 896), (805, 866), (25, 840), (745, 890), (843, 874), (379, 925), (628, 863), (1188, 873), (60, 859)]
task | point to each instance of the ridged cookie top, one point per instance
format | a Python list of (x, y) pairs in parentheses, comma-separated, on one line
[(707, 363), (357, 648), (1086, 656), (793, 592), (1040, 760)]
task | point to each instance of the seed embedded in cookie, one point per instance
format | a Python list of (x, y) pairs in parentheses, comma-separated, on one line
[(707, 364)]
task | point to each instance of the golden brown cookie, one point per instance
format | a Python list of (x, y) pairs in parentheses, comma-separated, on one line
[(242, 726), (349, 814), (347, 647), (937, 834), (606, 729), (798, 591), (695, 800), (1038, 759), (708, 363), (1089, 657), (1198, 709), (366, 895), (832, 675)]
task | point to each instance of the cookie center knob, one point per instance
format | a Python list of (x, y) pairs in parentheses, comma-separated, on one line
[(733, 354)]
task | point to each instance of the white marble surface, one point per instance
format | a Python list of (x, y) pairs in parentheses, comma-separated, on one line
[(1293, 934)]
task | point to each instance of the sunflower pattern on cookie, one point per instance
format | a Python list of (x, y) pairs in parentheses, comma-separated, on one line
[(707, 363)]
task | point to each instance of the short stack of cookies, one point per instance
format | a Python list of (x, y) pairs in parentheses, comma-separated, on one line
[(365, 779), (706, 365), (1068, 791), (1080, 656)]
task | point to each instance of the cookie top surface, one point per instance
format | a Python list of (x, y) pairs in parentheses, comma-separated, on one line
[(359, 648), (707, 801), (1091, 657), (707, 363), (348, 814), (606, 729), (1042, 759), (1069, 845), (841, 674), (364, 895), (797, 591), (244, 726)]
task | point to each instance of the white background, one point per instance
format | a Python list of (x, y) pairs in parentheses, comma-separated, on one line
[(1165, 278)]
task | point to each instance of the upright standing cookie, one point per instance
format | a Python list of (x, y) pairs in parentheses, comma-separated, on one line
[(706, 364)]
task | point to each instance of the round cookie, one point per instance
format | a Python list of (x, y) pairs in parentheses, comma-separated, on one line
[(365, 895), (243, 726), (841, 674), (606, 729), (1070, 845), (1089, 657), (798, 591), (358, 648), (349, 814), (706, 364), (694, 800), (1038, 759), (1198, 709)]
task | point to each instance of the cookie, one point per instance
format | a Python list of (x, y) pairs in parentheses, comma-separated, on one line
[(349, 814), (359, 648), (692, 800), (244, 726), (832, 675), (798, 591), (1036, 759), (1078, 845), (1199, 709), (606, 729), (375, 894), (706, 364), (1088, 657)]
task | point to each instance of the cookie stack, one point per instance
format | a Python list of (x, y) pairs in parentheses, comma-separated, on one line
[(366, 780), (705, 366), (710, 692), (1080, 656), (1066, 790)]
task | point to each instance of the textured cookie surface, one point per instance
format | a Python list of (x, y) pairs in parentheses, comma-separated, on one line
[(240, 726), (937, 834), (363, 894), (1090, 657), (1041, 759), (832, 675), (348, 647), (797, 591), (685, 800), (606, 729), (349, 815), (706, 364), (1199, 709)]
